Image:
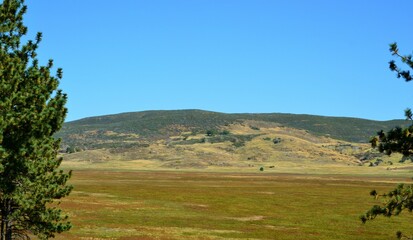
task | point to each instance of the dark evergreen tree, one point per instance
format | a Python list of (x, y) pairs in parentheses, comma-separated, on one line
[(397, 140), (407, 59), (32, 109)]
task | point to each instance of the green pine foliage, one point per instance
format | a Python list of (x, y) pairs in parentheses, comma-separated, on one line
[(32, 110), (406, 59), (397, 140)]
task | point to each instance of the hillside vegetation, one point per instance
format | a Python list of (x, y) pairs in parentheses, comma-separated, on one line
[(194, 139), (150, 125)]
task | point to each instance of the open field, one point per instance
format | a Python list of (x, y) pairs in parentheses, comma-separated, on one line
[(199, 205), (194, 185)]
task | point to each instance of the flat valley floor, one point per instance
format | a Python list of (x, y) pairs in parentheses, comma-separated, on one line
[(227, 205)]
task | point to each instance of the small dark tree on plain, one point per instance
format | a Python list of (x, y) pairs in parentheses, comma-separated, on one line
[(70, 149), (397, 140), (276, 140), (32, 110)]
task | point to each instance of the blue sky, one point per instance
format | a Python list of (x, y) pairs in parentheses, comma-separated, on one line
[(323, 57)]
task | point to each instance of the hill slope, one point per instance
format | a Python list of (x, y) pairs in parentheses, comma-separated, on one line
[(195, 139), (139, 127)]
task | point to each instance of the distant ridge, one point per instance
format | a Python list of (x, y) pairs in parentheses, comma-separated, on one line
[(149, 125)]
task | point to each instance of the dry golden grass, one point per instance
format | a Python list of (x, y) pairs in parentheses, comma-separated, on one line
[(298, 152)]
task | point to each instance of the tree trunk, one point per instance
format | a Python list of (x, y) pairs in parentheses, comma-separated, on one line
[(3, 220), (6, 226), (8, 231), (2, 236)]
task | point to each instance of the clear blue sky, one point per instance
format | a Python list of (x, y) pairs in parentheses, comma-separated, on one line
[(323, 57)]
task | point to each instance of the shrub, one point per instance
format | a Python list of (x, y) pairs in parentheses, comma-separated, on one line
[(225, 132), (276, 140), (255, 128), (210, 133)]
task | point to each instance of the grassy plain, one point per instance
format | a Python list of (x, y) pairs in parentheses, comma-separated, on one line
[(224, 205), (210, 187)]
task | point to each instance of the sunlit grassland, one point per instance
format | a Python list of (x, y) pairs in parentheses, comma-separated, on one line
[(298, 152), (196, 205), (194, 185)]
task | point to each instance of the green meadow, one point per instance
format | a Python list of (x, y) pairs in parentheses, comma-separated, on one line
[(226, 205), (194, 184)]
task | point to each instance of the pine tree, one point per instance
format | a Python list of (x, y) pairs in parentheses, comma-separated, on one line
[(32, 109), (407, 59), (397, 140)]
